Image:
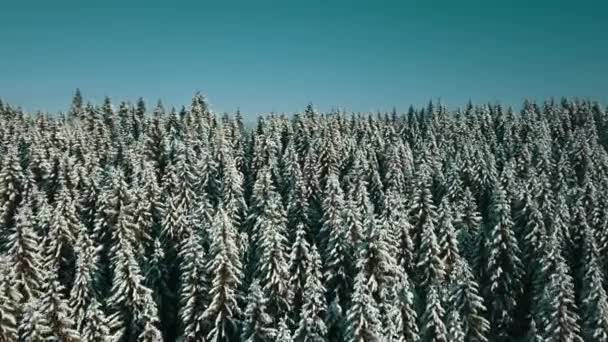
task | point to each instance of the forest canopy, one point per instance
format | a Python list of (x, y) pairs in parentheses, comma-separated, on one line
[(128, 223)]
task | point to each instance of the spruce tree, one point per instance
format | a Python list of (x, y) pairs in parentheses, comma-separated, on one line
[(433, 318), (504, 268), (24, 254), (594, 310), (8, 303), (257, 324), (363, 321), (465, 299), (225, 269), (311, 325), (299, 259)]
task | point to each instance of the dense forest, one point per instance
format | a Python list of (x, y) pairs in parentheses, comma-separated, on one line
[(126, 223)]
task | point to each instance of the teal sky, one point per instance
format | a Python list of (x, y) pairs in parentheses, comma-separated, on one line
[(267, 56)]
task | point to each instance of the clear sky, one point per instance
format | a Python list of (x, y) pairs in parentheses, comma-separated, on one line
[(277, 56)]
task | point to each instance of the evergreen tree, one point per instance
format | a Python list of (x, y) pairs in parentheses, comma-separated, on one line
[(258, 324), (433, 326), (83, 292), (33, 326), (454, 326), (363, 322), (131, 302), (311, 325), (95, 325), (193, 289), (12, 190), (8, 303), (504, 267), (24, 254), (284, 334), (448, 243), (594, 310), (273, 265), (59, 324), (465, 299), (561, 311), (407, 329), (298, 269), (225, 268)]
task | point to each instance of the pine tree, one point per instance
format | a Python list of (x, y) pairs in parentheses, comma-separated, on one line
[(33, 326), (333, 207), (225, 268), (258, 324), (83, 292), (8, 304), (433, 326), (504, 267), (594, 310), (430, 267), (469, 227), (363, 322), (407, 329), (448, 243), (24, 254), (12, 190), (311, 325), (131, 302), (465, 299), (533, 334), (273, 266), (193, 289), (283, 333), (299, 259), (375, 256), (95, 326), (57, 312), (561, 311), (454, 326)]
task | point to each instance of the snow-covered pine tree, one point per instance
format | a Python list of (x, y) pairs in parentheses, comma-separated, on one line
[(24, 254), (32, 327), (299, 258), (533, 334), (95, 327), (423, 210), (469, 228), (559, 307), (58, 321), (433, 319), (446, 235), (193, 296), (430, 268), (131, 303), (333, 208), (465, 299), (407, 328), (337, 250), (9, 299), (273, 266), (83, 292), (225, 269), (257, 323), (594, 308), (283, 333), (363, 316), (394, 218), (311, 326), (504, 268), (454, 327), (12, 190)]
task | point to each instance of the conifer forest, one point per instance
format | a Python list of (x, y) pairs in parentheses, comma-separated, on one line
[(131, 222)]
